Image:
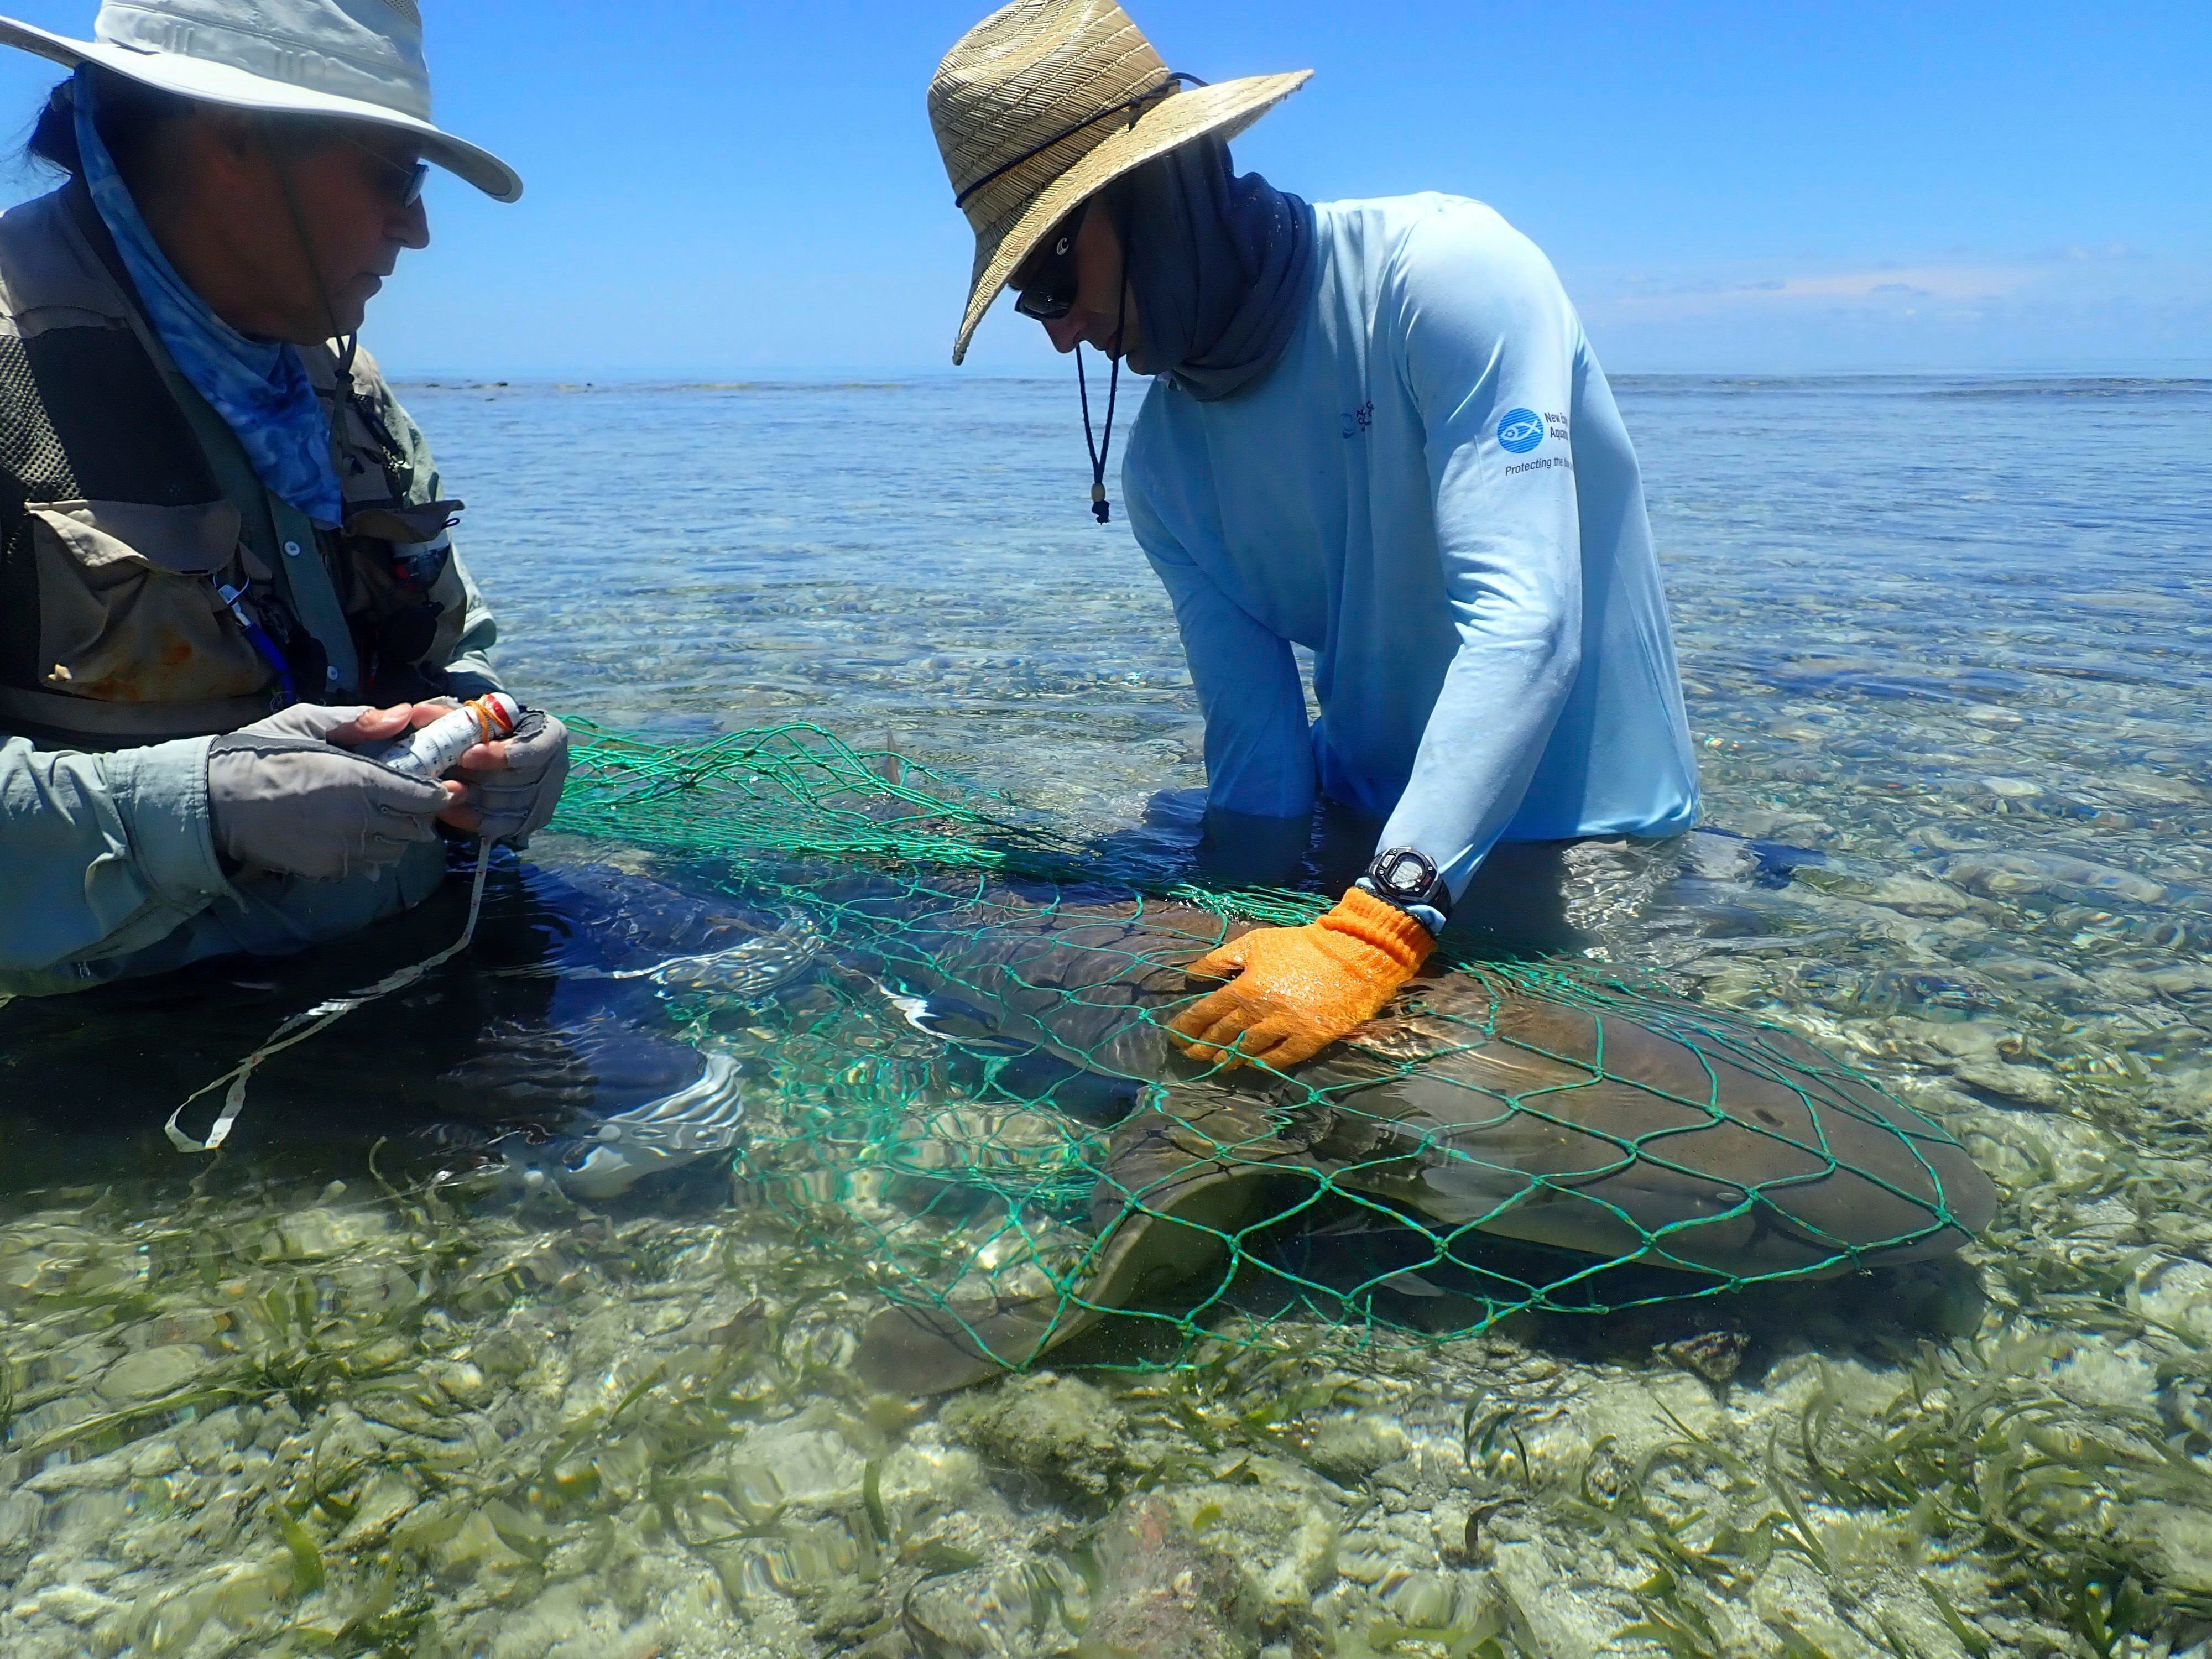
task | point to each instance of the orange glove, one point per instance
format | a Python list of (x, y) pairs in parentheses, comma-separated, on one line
[(1296, 990)]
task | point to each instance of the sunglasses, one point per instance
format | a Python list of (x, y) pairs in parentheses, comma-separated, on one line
[(1046, 284), (411, 176)]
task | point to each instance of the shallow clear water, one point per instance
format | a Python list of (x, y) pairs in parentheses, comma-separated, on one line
[(1946, 644)]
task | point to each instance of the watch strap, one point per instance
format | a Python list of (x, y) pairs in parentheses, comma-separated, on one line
[(1409, 879)]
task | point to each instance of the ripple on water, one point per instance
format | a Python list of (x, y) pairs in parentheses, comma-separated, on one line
[(1948, 685)]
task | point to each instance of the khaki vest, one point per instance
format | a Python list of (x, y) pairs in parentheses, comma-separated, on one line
[(139, 555)]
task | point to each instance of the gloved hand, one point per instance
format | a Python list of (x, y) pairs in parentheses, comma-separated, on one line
[(514, 782), (1296, 990), (284, 795)]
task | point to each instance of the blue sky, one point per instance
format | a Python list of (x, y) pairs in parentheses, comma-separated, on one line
[(722, 189)]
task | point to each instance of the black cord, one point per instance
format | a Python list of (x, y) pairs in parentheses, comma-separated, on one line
[(1099, 452), (1099, 507), (283, 172), (962, 198), (349, 344)]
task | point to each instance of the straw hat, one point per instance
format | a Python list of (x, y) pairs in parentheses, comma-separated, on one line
[(358, 59), (1045, 102)]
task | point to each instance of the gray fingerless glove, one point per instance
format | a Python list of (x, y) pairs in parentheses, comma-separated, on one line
[(316, 720), (281, 798), (520, 801)]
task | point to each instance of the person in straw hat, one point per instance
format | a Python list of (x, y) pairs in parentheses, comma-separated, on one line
[(1375, 429), (224, 558)]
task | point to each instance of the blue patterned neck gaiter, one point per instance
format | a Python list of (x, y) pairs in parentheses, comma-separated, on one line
[(259, 386)]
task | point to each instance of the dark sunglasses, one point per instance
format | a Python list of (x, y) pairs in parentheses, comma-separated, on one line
[(1046, 284), (411, 176)]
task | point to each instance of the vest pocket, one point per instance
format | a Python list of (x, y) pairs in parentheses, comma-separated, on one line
[(127, 607)]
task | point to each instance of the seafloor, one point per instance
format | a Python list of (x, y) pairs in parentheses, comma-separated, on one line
[(1947, 676)]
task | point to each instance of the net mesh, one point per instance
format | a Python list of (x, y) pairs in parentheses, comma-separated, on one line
[(975, 1106)]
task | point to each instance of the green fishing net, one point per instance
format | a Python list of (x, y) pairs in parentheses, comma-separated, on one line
[(968, 1098)]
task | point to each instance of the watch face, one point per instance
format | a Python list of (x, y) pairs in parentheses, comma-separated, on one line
[(1404, 874)]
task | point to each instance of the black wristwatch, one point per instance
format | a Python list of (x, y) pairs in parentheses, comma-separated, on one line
[(1408, 879)]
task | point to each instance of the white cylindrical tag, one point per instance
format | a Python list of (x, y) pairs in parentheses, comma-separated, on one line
[(432, 752)]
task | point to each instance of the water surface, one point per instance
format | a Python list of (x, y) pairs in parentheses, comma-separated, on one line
[(1946, 643)]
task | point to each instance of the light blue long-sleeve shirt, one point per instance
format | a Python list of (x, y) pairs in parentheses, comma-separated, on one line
[(1434, 491)]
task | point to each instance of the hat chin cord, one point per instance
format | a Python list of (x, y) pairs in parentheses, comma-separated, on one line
[(1099, 450), (1134, 108), (349, 344)]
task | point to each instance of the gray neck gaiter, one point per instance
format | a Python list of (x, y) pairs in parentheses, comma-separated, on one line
[(1221, 267)]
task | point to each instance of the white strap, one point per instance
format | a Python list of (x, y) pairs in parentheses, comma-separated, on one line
[(320, 1017)]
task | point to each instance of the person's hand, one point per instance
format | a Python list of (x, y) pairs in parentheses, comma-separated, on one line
[(1296, 990), (507, 789), (286, 794), (513, 782), (350, 726)]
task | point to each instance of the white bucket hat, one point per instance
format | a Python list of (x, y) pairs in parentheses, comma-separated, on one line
[(1045, 102), (360, 60)]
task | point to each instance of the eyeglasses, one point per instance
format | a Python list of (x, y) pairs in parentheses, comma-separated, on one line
[(412, 175), (1046, 284)]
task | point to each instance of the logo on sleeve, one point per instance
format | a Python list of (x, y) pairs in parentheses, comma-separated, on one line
[(1520, 431)]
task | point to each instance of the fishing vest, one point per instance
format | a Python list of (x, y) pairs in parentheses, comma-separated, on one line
[(150, 586)]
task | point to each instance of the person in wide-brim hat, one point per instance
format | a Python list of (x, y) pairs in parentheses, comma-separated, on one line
[(1028, 138), (303, 58), (224, 550), (1376, 429)]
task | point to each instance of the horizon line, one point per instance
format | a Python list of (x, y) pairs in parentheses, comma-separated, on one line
[(2182, 372)]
